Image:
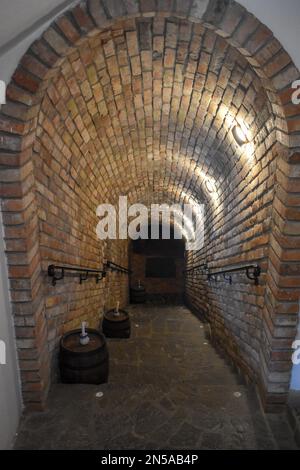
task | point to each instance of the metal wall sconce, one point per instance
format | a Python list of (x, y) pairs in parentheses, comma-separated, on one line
[(239, 136)]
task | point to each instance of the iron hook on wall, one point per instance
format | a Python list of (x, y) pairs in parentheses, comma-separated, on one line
[(83, 277), (253, 271), (51, 273), (84, 273), (228, 278), (255, 274), (100, 276), (114, 267)]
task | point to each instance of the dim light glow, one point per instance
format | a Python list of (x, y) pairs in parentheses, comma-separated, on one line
[(240, 135), (210, 186)]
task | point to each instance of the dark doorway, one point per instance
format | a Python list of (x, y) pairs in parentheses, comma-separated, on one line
[(158, 265)]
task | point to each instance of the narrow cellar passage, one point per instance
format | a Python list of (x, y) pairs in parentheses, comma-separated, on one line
[(158, 266), (116, 107), (168, 389)]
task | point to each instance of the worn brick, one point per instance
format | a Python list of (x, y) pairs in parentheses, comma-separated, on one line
[(25, 80), (147, 6), (97, 12), (56, 41), (82, 18), (115, 8), (68, 29), (146, 108)]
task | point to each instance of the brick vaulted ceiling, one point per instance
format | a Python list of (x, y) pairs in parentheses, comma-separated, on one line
[(146, 108), (142, 101)]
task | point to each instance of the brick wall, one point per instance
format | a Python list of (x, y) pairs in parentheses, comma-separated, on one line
[(139, 98), (161, 289), (238, 232)]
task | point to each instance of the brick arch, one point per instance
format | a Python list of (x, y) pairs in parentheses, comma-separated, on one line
[(21, 210), (221, 161), (177, 190)]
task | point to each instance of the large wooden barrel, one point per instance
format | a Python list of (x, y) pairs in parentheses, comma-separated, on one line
[(116, 326), (138, 295), (88, 364)]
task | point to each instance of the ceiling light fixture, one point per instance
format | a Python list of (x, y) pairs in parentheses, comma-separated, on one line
[(210, 186), (240, 136)]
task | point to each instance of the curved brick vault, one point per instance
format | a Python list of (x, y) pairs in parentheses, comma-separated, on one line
[(139, 98)]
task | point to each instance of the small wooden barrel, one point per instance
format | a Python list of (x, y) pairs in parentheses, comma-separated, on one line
[(138, 295), (116, 326), (87, 364)]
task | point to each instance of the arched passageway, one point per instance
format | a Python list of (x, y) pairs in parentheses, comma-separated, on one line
[(157, 265), (140, 99)]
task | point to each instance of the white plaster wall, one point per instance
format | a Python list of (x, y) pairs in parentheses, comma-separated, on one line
[(283, 19), (21, 14), (10, 396), (21, 22)]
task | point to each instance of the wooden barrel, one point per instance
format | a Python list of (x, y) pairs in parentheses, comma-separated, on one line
[(116, 326), (138, 295), (88, 364)]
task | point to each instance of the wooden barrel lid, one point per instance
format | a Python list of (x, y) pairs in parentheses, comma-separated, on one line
[(70, 341), (111, 316)]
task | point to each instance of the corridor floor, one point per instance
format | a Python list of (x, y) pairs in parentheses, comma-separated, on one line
[(168, 389)]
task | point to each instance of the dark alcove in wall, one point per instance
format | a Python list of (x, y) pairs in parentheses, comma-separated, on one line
[(158, 265)]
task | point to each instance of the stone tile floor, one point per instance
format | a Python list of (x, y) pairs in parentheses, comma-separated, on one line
[(168, 389)]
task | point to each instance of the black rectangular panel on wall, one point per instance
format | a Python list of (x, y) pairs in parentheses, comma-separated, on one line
[(160, 267)]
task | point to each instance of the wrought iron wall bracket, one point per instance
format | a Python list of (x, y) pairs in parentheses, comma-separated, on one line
[(83, 277), (228, 278), (252, 271), (255, 275), (51, 273), (100, 277), (84, 274), (113, 267)]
